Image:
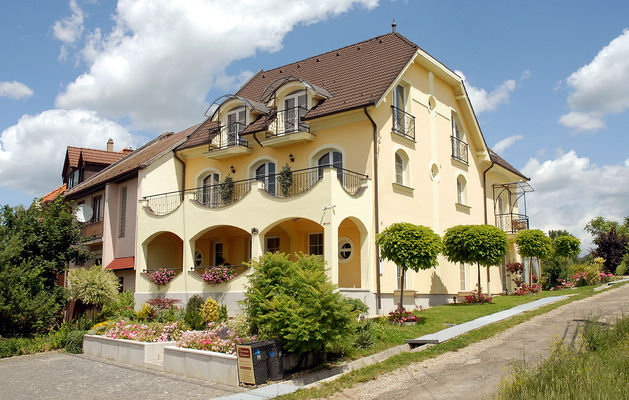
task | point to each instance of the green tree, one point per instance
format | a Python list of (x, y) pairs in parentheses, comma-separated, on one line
[(36, 244), (611, 246), (295, 303), (567, 246), (534, 243), (600, 225), (483, 245), (409, 246)]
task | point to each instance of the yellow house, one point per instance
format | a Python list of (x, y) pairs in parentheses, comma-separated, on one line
[(373, 133)]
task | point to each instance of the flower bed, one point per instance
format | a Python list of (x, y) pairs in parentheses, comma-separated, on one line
[(152, 332), (526, 289), (141, 354), (402, 317), (477, 298), (205, 365), (221, 338)]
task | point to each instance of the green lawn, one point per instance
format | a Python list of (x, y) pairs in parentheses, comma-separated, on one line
[(437, 318), (373, 371)]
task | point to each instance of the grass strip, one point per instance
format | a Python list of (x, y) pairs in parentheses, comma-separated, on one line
[(373, 371)]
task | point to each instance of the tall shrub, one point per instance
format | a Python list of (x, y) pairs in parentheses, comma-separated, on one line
[(36, 244), (533, 243), (295, 303), (94, 286)]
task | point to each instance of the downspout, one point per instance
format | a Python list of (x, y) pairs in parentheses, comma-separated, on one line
[(183, 198), (376, 212), (485, 204)]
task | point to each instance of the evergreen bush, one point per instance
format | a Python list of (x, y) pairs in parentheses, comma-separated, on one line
[(294, 303), (209, 311), (74, 342), (193, 313)]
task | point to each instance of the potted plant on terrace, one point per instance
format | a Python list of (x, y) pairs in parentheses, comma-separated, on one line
[(285, 178), (226, 190)]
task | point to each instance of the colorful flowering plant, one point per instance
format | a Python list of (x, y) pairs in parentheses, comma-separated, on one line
[(606, 277), (162, 303), (401, 317), (526, 289), (477, 298), (218, 274), (563, 285), (162, 276), (222, 338), (152, 332)]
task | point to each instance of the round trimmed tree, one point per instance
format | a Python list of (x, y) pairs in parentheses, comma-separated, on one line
[(483, 245), (533, 243), (409, 246)]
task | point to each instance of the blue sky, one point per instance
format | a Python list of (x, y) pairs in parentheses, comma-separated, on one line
[(548, 80)]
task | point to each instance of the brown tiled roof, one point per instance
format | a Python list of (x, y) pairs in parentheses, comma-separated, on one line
[(356, 76), (200, 135), (503, 163), (101, 157), (73, 154), (132, 161), (53, 195)]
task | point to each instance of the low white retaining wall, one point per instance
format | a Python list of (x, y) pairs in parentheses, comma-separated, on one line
[(206, 365), (124, 351)]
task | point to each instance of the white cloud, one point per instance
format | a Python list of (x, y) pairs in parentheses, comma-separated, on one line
[(32, 151), (70, 29), (505, 143), (570, 191), (15, 90), (600, 87), (162, 57), (489, 101), (581, 121)]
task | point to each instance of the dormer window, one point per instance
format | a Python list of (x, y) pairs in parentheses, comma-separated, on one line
[(74, 178), (236, 122), (295, 107)]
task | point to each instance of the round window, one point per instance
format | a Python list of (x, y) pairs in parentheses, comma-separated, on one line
[(434, 172), (345, 250), (198, 259)]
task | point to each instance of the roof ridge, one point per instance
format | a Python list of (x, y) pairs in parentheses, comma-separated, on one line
[(336, 50)]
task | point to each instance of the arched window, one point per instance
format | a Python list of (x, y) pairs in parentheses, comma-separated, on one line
[(401, 168), (265, 172), (461, 190), (333, 158)]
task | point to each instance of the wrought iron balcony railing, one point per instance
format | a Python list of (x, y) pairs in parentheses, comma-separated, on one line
[(459, 150), (227, 136), (289, 121), (403, 123), (512, 222), (221, 195)]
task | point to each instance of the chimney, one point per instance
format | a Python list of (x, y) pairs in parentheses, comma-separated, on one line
[(110, 145)]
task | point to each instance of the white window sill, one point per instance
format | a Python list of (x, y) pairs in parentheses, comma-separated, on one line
[(463, 208), (403, 189)]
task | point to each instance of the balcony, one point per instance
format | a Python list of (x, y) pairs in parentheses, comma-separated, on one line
[(221, 195), (288, 128), (93, 231), (227, 142), (511, 222), (459, 150), (510, 206), (403, 123)]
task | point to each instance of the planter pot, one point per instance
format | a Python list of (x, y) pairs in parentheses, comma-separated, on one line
[(200, 364), (124, 351)]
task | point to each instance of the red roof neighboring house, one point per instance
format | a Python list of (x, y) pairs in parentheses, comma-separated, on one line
[(121, 263), (53, 195)]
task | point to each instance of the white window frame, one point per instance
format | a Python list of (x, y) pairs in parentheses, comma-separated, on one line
[(198, 253), (122, 221), (399, 278), (237, 113), (461, 190)]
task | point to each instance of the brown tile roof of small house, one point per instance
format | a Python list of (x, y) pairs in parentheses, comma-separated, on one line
[(503, 163), (131, 162), (100, 157), (355, 76), (53, 194), (200, 135)]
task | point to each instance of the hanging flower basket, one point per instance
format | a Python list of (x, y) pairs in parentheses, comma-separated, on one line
[(161, 276), (218, 274)]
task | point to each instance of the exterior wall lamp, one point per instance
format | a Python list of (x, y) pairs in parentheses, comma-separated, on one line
[(254, 231), (291, 158), (233, 170)]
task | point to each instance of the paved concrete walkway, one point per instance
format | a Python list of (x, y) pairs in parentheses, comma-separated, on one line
[(56, 375), (475, 371)]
